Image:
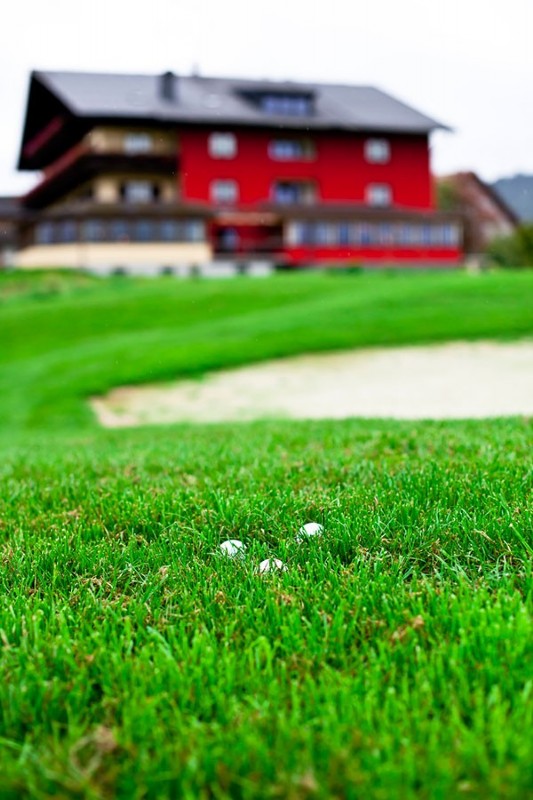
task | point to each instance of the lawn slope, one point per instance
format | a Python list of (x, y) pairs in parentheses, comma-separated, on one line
[(68, 337)]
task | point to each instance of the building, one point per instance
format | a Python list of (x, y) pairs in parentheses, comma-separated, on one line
[(172, 173), (485, 214)]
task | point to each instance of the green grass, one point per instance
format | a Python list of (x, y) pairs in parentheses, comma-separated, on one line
[(392, 659), (66, 338)]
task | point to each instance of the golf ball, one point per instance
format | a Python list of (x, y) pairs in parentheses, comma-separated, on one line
[(308, 530), (272, 565), (233, 548)]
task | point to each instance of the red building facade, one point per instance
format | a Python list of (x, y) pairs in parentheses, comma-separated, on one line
[(335, 163)]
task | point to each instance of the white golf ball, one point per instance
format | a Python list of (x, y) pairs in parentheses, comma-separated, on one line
[(233, 548), (272, 565), (308, 530)]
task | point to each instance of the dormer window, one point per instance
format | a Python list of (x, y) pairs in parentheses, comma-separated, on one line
[(286, 105), (281, 103)]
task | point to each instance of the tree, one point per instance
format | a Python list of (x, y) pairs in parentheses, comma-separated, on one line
[(515, 250)]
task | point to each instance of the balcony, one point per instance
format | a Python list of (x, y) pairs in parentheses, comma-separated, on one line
[(81, 164)]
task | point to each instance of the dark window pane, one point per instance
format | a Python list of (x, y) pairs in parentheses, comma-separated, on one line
[(290, 149), (143, 231), (119, 230), (194, 231), (66, 231), (138, 191), (344, 234), (169, 230), (45, 233), (286, 193), (224, 191), (286, 105), (93, 231)]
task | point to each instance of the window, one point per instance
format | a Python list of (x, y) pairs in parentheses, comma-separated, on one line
[(137, 143), (222, 145), (450, 234), (321, 233), (345, 234), (379, 194), (324, 234), (290, 150), (385, 234), (188, 230), (287, 192), (45, 233), (66, 231), (224, 191), (169, 230), (356, 233), (119, 230), (194, 231), (93, 231), (143, 230), (287, 105), (229, 239), (377, 151), (426, 234), (406, 234), (296, 233), (139, 191)]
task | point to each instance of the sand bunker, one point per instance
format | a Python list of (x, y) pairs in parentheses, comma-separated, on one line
[(450, 381)]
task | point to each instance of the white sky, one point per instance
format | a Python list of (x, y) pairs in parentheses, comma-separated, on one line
[(469, 63)]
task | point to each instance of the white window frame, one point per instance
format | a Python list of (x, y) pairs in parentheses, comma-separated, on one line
[(377, 151), (137, 143), (222, 145), (379, 195), (219, 190)]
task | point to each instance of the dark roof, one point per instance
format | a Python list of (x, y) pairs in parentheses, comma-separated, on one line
[(204, 100)]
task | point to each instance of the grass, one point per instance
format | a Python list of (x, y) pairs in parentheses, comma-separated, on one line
[(391, 660), (68, 337)]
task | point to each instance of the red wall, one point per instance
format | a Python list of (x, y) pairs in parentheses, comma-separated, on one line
[(441, 256), (339, 167)]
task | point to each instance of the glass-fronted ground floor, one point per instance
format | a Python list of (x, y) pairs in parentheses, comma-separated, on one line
[(184, 240)]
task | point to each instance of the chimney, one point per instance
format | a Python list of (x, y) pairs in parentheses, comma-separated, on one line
[(168, 87)]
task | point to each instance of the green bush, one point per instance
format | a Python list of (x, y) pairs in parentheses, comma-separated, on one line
[(513, 251)]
